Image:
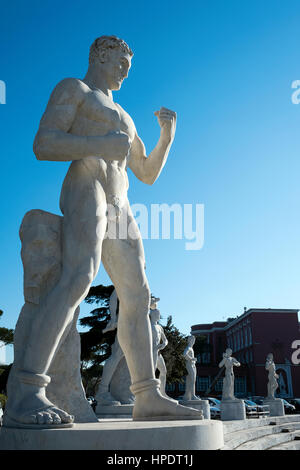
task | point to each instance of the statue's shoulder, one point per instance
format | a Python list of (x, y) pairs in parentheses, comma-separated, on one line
[(69, 89)]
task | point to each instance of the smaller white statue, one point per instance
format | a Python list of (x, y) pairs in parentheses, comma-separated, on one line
[(159, 342), (190, 364), (272, 376), (228, 382), (103, 396)]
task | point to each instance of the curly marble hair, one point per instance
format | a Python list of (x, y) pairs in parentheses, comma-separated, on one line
[(107, 42)]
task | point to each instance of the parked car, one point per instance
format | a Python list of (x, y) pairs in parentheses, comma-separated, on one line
[(296, 403), (251, 408), (215, 412), (260, 410), (214, 401), (288, 407), (1, 415), (257, 400)]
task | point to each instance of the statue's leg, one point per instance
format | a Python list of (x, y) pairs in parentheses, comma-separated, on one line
[(103, 395), (84, 228), (124, 262), (193, 378), (161, 366), (188, 383)]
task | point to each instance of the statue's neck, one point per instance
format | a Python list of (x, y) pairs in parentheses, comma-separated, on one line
[(97, 81)]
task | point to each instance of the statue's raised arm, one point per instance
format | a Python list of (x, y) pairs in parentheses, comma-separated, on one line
[(148, 169)]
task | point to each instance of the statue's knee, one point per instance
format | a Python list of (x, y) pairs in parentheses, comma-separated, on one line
[(137, 300), (80, 284)]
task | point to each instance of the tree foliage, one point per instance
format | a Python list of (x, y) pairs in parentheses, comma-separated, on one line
[(6, 334), (95, 345), (173, 353)]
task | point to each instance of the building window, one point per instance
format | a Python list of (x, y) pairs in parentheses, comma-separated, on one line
[(219, 385), (181, 387), (242, 339), (250, 335), (202, 383), (247, 357), (246, 337), (240, 385), (170, 387), (205, 358)]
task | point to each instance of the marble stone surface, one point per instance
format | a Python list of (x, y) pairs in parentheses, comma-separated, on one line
[(229, 363), (40, 234), (190, 364), (272, 376), (159, 342), (114, 387), (199, 404), (119, 435), (276, 406), (120, 384), (232, 410)]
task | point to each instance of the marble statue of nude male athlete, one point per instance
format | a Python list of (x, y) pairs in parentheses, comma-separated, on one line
[(83, 125)]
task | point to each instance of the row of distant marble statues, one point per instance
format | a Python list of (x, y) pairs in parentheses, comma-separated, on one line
[(114, 388), (232, 407)]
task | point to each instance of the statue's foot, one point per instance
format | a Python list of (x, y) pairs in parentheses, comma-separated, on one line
[(30, 407), (194, 397), (150, 405), (106, 399), (45, 418)]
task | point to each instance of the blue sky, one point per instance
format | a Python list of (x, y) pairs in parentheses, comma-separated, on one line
[(226, 68)]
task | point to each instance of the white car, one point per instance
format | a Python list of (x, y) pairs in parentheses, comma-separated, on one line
[(1, 415)]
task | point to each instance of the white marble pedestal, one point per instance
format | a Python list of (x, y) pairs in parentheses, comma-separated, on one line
[(232, 410), (199, 405), (276, 406), (119, 435), (114, 411)]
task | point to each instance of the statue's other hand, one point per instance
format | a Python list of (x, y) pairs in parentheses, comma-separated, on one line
[(167, 121)]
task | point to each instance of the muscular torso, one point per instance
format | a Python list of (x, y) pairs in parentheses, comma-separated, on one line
[(98, 115)]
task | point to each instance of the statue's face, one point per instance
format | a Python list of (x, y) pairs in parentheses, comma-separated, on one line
[(191, 340), (115, 65)]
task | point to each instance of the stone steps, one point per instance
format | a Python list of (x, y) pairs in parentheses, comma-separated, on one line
[(261, 433), (291, 445), (272, 440), (232, 426)]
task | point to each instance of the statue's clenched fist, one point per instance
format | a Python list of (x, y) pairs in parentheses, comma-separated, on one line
[(167, 121), (117, 145)]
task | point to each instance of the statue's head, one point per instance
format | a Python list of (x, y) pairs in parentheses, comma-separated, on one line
[(113, 56), (270, 357), (228, 352), (153, 301), (191, 340)]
